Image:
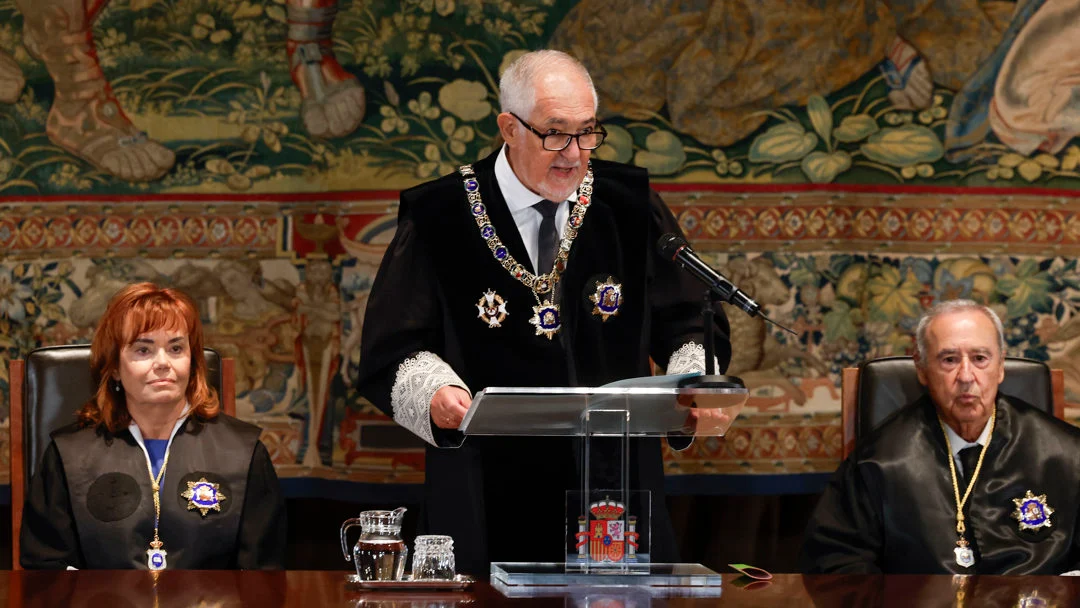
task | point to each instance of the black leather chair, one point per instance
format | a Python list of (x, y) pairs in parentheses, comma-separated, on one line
[(46, 389), (877, 388)]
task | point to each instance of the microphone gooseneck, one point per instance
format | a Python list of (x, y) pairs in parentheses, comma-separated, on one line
[(675, 248)]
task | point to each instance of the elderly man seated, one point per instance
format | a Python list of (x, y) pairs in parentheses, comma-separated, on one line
[(965, 480)]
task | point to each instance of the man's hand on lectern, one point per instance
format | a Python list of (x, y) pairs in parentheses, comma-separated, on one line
[(703, 421), (449, 405)]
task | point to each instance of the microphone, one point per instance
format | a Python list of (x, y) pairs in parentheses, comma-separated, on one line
[(676, 248)]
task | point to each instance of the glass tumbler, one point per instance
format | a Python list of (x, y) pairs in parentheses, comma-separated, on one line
[(433, 558)]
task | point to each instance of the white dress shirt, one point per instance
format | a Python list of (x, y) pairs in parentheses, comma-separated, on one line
[(958, 443), (520, 200)]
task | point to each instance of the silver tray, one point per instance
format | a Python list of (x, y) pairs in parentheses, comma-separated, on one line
[(461, 581)]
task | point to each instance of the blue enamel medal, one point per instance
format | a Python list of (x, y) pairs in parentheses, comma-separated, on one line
[(204, 496), (607, 298), (965, 557), (1032, 512), (155, 556), (546, 319)]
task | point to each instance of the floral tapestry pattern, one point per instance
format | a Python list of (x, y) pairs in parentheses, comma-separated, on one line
[(847, 164), (911, 99)]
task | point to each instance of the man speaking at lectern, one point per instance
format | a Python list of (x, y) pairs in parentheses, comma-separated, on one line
[(533, 267)]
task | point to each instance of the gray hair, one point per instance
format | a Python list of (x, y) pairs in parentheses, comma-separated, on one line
[(949, 307), (517, 86)]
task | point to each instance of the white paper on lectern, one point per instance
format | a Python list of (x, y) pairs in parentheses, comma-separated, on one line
[(556, 410), (662, 381), (658, 390)]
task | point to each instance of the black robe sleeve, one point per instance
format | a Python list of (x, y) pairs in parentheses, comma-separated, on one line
[(48, 539), (675, 297), (261, 541), (402, 319), (845, 533)]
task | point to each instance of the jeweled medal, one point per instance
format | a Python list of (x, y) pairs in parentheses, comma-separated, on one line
[(546, 312), (546, 319), (607, 298), (1032, 512), (492, 308), (965, 557), (204, 496), (155, 555)]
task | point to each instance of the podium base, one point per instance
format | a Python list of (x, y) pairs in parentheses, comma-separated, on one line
[(532, 579)]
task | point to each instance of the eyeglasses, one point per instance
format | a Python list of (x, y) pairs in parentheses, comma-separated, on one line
[(555, 142)]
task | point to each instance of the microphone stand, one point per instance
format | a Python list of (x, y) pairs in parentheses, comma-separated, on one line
[(708, 313), (711, 390), (711, 379)]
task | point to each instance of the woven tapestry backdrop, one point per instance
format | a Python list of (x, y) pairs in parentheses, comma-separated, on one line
[(848, 164)]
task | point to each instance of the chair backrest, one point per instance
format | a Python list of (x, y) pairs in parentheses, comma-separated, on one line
[(46, 389), (877, 388)]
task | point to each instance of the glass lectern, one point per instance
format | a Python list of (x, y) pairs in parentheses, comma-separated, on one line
[(607, 521)]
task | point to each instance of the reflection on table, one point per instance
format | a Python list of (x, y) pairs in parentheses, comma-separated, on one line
[(227, 589)]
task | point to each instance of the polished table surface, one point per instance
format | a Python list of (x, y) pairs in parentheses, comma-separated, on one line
[(222, 589)]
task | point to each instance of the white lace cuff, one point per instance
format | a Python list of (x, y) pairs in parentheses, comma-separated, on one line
[(418, 379), (689, 358)]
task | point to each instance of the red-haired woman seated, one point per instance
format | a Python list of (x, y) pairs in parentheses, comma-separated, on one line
[(152, 475)]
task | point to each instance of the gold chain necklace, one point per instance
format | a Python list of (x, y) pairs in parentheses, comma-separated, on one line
[(965, 557), (546, 313), (155, 555)]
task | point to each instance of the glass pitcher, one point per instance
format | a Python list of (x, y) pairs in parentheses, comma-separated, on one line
[(380, 553)]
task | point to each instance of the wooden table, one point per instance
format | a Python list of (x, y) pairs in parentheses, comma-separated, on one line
[(223, 589)]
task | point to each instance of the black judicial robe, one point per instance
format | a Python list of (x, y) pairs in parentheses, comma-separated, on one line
[(890, 506), (503, 498), (91, 504)]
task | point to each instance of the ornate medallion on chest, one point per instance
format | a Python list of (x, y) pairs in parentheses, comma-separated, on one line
[(492, 309), (607, 298), (546, 320), (204, 496), (1032, 512), (546, 316)]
